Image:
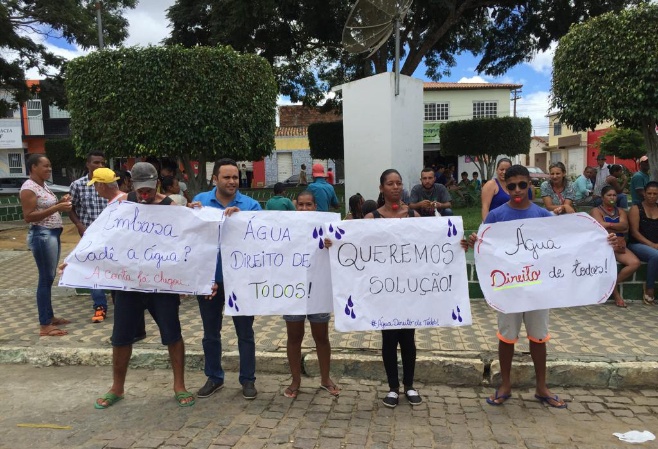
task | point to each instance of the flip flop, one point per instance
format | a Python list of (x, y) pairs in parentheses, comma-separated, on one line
[(290, 393), (502, 398), (108, 397), (53, 332), (548, 399), (332, 389), (181, 395)]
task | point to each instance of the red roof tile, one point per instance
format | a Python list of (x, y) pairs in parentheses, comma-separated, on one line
[(469, 86), (291, 131)]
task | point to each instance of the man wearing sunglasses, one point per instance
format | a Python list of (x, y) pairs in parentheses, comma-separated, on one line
[(519, 206)]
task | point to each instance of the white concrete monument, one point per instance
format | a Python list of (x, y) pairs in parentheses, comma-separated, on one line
[(381, 131)]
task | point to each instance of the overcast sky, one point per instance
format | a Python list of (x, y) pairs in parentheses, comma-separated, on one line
[(148, 26)]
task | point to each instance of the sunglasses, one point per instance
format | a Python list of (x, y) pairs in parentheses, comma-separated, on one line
[(512, 185)]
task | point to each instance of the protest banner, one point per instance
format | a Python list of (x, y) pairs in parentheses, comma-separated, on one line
[(139, 247), (545, 263), (275, 263), (394, 274)]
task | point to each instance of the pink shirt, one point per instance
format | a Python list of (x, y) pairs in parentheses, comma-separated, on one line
[(45, 199)]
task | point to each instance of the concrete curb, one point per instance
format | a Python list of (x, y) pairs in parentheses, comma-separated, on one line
[(468, 370)]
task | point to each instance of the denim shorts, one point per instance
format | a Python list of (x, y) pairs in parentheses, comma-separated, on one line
[(312, 318), (129, 310)]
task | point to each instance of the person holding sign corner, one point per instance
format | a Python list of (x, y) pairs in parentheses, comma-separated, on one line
[(519, 206), (319, 329), (225, 196), (129, 307), (391, 206)]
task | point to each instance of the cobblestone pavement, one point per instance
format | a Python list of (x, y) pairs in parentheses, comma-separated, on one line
[(148, 417)]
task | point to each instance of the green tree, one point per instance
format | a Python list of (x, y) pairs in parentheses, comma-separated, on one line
[(326, 140), (605, 69), (25, 25), (302, 38), (623, 143), (61, 153), (485, 139), (194, 104)]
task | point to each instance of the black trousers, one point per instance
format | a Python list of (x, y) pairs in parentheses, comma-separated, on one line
[(406, 338)]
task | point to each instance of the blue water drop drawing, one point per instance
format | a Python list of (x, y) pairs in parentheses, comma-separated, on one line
[(457, 316), (449, 222), (342, 231), (460, 318), (454, 317), (237, 309), (458, 310), (321, 232), (321, 244), (233, 301), (331, 228), (449, 231), (315, 233), (230, 301), (454, 230), (349, 308)]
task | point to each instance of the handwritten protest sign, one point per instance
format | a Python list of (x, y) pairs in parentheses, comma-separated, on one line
[(393, 274), (147, 248), (544, 263), (274, 263)]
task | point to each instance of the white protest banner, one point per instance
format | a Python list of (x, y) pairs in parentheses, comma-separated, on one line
[(399, 273), (544, 263), (275, 263), (147, 248)]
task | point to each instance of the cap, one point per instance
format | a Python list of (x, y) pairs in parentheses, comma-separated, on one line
[(104, 175), (600, 157), (644, 158), (144, 175), (318, 171)]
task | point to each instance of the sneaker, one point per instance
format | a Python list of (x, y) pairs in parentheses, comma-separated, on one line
[(413, 397), (249, 390), (99, 315), (391, 399), (209, 388)]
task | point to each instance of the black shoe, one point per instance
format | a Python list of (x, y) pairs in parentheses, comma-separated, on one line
[(391, 399), (209, 388), (249, 390), (413, 397)]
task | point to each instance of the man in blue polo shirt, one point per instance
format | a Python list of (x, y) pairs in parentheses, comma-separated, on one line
[(324, 193), (225, 196)]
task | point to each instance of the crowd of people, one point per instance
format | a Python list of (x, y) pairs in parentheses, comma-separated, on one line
[(508, 196)]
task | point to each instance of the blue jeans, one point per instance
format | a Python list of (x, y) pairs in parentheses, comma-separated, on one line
[(99, 299), (649, 255), (447, 212), (212, 311), (45, 246)]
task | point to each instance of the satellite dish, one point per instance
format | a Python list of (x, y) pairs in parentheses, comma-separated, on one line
[(371, 23)]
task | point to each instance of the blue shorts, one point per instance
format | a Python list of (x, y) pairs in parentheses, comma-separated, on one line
[(312, 318), (129, 310)]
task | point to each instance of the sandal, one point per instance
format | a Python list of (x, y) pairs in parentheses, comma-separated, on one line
[(648, 300), (52, 331), (108, 397), (498, 399), (332, 389), (291, 393), (553, 401), (181, 396)]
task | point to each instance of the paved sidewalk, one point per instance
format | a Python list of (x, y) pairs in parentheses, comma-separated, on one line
[(601, 346), (34, 400)]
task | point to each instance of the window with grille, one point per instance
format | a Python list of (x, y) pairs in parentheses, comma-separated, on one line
[(557, 129), (484, 109), (15, 163), (437, 112)]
